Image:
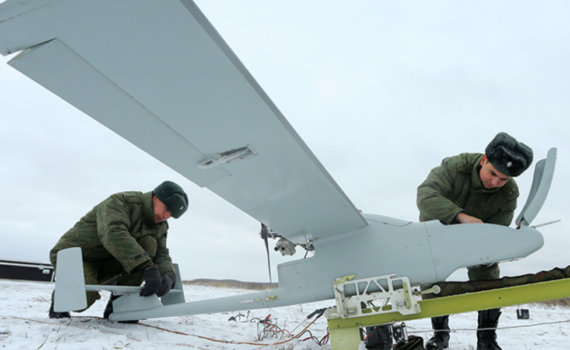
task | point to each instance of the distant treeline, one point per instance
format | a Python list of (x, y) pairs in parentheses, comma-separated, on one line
[(564, 302), (232, 284)]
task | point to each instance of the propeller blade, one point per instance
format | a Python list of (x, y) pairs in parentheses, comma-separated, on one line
[(264, 235)]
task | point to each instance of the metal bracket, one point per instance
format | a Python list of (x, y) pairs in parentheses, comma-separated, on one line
[(227, 157), (370, 296), (433, 290)]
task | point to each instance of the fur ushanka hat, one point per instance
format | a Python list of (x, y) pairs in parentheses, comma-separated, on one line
[(173, 196), (509, 156)]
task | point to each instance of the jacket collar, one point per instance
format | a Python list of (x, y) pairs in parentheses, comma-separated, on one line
[(147, 209)]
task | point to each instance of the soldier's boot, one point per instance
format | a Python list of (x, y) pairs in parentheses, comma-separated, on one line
[(487, 338), (54, 314), (440, 338), (109, 309)]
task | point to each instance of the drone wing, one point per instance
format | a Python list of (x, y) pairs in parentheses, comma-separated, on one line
[(158, 74)]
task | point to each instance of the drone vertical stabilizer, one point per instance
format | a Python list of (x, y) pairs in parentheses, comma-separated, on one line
[(543, 173), (69, 282)]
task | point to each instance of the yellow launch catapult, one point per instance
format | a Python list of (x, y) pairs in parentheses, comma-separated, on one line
[(345, 329)]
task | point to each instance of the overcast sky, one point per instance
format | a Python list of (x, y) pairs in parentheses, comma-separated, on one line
[(380, 91)]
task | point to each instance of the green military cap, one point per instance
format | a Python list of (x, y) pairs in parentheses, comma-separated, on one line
[(509, 156), (173, 196)]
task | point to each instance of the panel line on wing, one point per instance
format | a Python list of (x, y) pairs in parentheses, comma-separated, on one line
[(121, 112)]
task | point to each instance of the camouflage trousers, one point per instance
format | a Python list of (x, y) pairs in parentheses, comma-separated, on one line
[(484, 272), (106, 270), (477, 274)]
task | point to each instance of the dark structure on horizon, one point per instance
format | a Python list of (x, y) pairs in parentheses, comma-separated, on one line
[(25, 270)]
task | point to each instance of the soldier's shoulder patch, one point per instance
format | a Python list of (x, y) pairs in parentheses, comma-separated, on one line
[(134, 199), (130, 196), (463, 168)]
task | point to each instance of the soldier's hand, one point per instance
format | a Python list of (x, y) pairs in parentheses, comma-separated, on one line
[(152, 281), (167, 284), (468, 219)]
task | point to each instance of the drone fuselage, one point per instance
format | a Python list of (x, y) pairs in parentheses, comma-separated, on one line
[(425, 252)]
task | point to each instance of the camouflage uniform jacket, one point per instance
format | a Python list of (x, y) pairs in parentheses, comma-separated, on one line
[(114, 228), (455, 187)]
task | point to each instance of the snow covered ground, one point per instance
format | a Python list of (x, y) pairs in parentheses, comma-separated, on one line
[(24, 325)]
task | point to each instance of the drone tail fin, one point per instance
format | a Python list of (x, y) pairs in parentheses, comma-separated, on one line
[(69, 282)]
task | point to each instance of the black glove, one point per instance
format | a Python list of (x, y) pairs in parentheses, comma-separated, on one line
[(152, 281), (167, 284)]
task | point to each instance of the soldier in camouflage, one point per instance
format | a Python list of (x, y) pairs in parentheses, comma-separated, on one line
[(475, 188), (124, 237)]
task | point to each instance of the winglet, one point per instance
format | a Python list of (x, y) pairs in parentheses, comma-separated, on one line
[(543, 173)]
